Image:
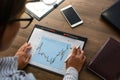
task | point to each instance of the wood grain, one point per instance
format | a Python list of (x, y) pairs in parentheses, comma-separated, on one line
[(94, 28)]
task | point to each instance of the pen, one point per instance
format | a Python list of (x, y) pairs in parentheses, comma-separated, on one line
[(71, 54)]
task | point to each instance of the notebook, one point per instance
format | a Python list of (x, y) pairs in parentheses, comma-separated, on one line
[(106, 63), (112, 15), (40, 9)]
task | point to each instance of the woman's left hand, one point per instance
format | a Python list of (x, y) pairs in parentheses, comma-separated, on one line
[(23, 55)]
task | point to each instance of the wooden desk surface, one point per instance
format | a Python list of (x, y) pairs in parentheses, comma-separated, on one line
[(94, 28)]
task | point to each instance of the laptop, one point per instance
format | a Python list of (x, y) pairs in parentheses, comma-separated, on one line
[(112, 15)]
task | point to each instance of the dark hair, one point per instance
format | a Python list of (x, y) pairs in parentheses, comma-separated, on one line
[(9, 9)]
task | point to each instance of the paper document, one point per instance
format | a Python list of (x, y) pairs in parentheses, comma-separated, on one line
[(40, 9)]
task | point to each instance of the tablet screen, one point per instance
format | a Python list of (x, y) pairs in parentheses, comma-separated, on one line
[(49, 50)]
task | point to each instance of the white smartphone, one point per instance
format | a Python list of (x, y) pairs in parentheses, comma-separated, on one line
[(71, 16)]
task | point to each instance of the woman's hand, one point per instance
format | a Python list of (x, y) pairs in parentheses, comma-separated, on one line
[(23, 56), (76, 60)]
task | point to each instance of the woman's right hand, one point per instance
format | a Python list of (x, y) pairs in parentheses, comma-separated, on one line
[(76, 60)]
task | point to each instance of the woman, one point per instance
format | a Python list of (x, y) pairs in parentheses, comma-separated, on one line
[(10, 12)]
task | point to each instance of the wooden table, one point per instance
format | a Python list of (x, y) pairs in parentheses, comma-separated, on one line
[(94, 28)]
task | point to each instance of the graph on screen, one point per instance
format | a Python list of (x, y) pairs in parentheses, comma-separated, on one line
[(50, 52), (50, 49)]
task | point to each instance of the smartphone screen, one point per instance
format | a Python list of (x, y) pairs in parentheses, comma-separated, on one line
[(71, 16)]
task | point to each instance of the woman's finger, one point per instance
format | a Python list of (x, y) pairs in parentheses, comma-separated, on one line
[(28, 58), (81, 55), (22, 47), (74, 51), (78, 51), (27, 49)]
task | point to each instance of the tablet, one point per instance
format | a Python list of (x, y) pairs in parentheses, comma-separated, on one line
[(51, 47)]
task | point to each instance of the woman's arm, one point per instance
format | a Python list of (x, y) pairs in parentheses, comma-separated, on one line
[(9, 65), (74, 64)]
